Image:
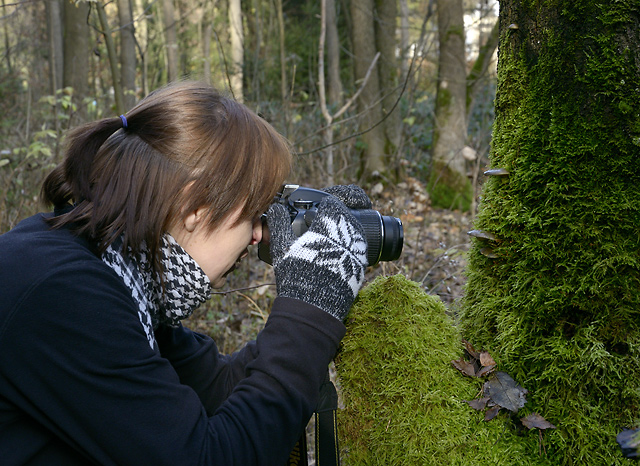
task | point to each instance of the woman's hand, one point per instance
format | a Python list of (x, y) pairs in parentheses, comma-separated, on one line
[(325, 266), (352, 195)]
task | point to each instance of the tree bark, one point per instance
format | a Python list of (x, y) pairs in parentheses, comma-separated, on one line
[(283, 61), (56, 62), (555, 296), (236, 33), (385, 26), (481, 66), (171, 38), (334, 82), (76, 54), (364, 47), (127, 53), (450, 128), (113, 58), (404, 38)]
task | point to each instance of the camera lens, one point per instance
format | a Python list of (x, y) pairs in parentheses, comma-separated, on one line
[(384, 234)]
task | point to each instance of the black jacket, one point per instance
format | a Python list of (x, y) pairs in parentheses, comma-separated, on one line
[(79, 383)]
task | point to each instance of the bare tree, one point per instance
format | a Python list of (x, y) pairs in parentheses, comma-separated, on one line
[(7, 42), (283, 61), (385, 27), (404, 37), (450, 128), (76, 52), (334, 82), (327, 131), (206, 30), (113, 58), (236, 33), (364, 48), (127, 53), (171, 38), (54, 13), (481, 67)]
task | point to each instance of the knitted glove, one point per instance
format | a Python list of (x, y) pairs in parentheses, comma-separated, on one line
[(352, 195), (325, 266)]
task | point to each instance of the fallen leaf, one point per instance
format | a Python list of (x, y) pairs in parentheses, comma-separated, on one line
[(465, 367), (535, 421), (486, 370), (478, 404), (491, 413), (505, 391), (486, 359), (471, 350)]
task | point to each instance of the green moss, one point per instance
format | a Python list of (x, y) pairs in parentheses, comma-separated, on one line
[(449, 189), (444, 98), (404, 400), (560, 307)]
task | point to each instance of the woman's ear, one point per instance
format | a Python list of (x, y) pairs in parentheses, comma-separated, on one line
[(192, 220)]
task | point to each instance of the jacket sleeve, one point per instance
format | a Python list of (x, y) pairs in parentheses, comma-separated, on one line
[(79, 363), (198, 363)]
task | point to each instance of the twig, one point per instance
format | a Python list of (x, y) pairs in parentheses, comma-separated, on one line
[(235, 290), (255, 306), (438, 260)]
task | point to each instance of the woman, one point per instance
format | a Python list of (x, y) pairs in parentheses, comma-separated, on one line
[(151, 211)]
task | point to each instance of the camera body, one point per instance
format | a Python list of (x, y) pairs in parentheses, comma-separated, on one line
[(384, 234)]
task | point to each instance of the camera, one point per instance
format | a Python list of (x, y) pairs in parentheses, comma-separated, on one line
[(384, 234)]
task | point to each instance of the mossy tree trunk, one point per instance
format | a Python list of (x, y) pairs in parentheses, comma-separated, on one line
[(558, 301)]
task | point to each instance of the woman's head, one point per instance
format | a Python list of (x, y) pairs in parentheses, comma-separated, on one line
[(186, 147)]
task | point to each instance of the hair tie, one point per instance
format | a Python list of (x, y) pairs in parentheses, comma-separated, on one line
[(124, 121)]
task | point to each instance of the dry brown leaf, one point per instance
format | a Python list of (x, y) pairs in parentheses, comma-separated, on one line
[(535, 421), (486, 370), (491, 413), (465, 367), (478, 404), (486, 359), (471, 350)]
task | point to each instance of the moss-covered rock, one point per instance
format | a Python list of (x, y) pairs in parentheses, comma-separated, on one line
[(404, 401)]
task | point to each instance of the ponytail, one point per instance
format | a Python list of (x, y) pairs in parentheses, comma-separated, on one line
[(70, 180)]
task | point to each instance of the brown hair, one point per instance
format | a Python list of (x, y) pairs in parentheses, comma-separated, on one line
[(133, 181)]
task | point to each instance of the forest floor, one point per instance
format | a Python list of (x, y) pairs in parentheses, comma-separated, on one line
[(435, 243)]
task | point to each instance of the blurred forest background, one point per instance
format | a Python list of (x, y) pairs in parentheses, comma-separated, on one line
[(394, 96)]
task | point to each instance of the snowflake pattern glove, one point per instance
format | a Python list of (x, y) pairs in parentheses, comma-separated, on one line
[(325, 266), (352, 195)]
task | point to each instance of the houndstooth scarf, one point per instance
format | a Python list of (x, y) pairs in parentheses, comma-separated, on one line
[(186, 286)]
